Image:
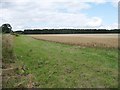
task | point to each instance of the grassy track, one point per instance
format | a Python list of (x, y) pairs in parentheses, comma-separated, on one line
[(59, 65)]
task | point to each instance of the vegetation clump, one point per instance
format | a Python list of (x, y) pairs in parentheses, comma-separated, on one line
[(6, 28)]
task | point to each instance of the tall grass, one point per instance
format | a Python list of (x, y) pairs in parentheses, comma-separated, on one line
[(8, 59), (13, 75), (7, 49)]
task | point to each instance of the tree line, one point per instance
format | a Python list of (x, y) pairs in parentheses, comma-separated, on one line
[(6, 28), (67, 31)]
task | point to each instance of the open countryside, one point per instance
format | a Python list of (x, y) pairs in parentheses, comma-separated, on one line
[(40, 62), (59, 44)]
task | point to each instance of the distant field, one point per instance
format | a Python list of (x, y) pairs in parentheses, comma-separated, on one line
[(89, 40)]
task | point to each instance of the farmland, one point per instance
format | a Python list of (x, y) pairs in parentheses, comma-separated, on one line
[(89, 40), (48, 64)]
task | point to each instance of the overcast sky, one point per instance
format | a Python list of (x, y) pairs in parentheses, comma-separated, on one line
[(30, 14)]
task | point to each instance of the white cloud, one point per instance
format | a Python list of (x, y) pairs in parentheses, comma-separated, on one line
[(115, 3), (23, 14), (94, 22), (112, 26)]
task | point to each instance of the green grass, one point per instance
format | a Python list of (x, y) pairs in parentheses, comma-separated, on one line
[(55, 65)]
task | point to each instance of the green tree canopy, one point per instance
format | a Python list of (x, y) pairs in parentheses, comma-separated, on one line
[(6, 28)]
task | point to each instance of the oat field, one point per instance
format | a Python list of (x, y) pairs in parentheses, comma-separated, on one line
[(88, 40)]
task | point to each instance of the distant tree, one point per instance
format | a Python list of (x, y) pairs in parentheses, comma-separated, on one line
[(6, 28)]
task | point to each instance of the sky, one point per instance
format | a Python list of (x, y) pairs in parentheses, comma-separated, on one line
[(78, 14)]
